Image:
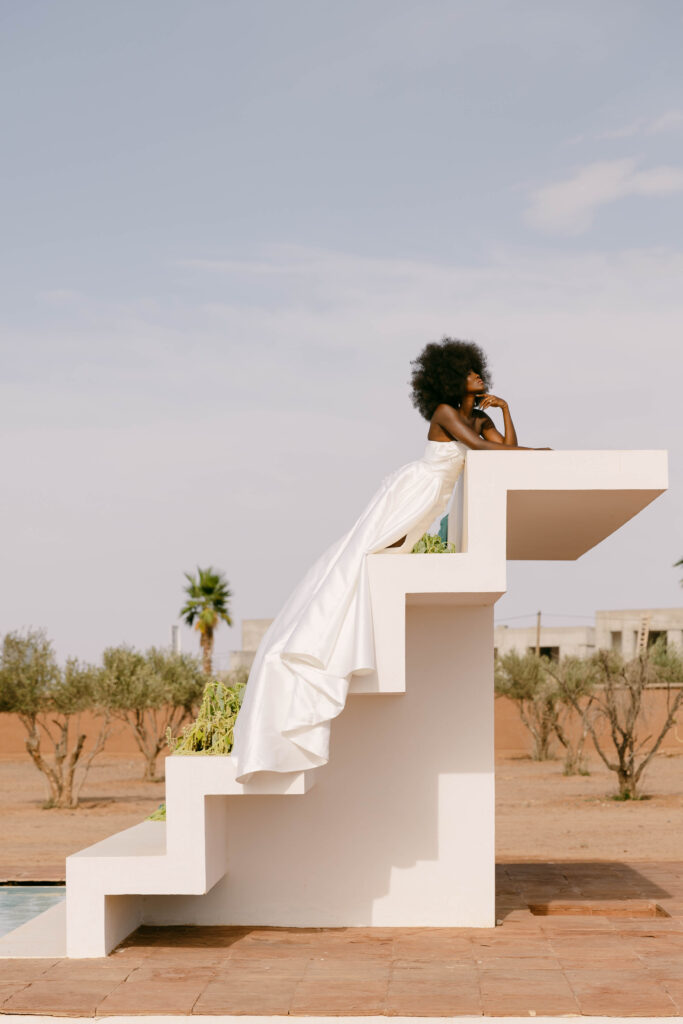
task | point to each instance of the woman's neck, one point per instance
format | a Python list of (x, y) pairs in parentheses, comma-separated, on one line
[(467, 405)]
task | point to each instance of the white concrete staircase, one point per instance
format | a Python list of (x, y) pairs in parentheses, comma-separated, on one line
[(186, 854), (399, 827)]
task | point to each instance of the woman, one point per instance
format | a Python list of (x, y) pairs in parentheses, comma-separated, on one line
[(300, 676)]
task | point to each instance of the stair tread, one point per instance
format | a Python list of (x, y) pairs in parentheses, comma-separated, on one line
[(147, 839)]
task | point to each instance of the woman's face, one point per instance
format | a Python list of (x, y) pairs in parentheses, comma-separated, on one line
[(474, 385)]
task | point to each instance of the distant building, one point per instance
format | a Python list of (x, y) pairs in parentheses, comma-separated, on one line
[(619, 630), (615, 630), (253, 630), (556, 641)]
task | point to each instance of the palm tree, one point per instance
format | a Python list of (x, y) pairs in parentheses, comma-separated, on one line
[(208, 595)]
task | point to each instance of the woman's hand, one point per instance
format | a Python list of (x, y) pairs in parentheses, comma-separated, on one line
[(491, 402)]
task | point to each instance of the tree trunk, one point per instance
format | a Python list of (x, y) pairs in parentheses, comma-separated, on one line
[(150, 772), (69, 797), (628, 789), (206, 644), (33, 748), (544, 732)]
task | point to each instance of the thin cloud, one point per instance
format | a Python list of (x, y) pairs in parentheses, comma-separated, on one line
[(306, 406), (668, 122), (569, 207), (626, 131), (671, 121)]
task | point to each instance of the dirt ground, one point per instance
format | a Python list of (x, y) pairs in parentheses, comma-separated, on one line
[(541, 814), (35, 841)]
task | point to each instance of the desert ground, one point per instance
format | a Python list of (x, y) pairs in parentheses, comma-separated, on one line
[(541, 814)]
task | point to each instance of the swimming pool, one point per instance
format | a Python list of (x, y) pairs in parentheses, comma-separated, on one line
[(19, 903)]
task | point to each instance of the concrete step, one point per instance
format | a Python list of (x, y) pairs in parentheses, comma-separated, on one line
[(185, 855)]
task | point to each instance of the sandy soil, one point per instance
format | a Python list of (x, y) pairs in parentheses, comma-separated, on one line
[(541, 814), (35, 841)]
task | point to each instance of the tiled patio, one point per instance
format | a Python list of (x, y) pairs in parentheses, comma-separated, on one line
[(598, 942)]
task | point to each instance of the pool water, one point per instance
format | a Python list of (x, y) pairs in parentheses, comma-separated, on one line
[(19, 903)]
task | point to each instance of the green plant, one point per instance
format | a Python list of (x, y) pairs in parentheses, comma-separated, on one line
[(432, 544), (49, 702), (152, 693), (618, 698), (159, 814), (208, 595), (523, 679), (575, 678), (212, 731)]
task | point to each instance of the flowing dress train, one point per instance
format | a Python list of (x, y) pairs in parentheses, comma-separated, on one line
[(300, 677)]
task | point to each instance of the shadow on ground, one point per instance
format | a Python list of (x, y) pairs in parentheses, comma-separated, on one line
[(521, 885)]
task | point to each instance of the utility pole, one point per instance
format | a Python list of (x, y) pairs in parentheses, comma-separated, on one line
[(538, 633), (175, 639)]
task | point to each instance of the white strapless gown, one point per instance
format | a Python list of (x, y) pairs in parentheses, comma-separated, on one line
[(300, 676)]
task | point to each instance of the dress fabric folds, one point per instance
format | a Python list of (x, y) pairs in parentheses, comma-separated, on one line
[(300, 677)]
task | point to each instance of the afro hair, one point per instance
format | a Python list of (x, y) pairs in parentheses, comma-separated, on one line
[(440, 373)]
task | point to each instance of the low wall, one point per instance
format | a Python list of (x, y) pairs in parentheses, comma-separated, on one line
[(511, 737)]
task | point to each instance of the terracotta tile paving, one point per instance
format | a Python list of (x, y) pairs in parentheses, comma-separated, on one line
[(517, 992), (168, 989), (23, 970), (596, 944), (46, 997), (433, 990), (674, 989), (342, 987), (253, 986), (8, 989), (624, 993)]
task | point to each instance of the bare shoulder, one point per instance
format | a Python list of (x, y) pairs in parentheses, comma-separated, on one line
[(482, 420), (444, 421), (444, 409)]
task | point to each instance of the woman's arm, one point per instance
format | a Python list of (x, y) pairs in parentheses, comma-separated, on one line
[(452, 423), (488, 430)]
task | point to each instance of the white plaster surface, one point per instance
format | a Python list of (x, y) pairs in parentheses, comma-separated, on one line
[(185, 854), (399, 827), (43, 936)]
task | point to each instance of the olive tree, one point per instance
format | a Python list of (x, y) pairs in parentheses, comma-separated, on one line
[(619, 699), (50, 701), (575, 679), (153, 694), (523, 679)]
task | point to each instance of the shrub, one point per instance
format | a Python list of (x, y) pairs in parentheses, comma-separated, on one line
[(212, 731), (524, 680), (432, 544)]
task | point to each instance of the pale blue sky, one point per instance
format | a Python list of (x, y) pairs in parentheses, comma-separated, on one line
[(227, 229)]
